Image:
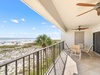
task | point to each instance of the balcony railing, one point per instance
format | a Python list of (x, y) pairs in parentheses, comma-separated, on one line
[(36, 63)]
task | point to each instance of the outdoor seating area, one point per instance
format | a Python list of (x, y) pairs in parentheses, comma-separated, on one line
[(77, 50), (89, 63), (74, 66)]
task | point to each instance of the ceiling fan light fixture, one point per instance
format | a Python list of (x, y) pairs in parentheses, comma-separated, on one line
[(81, 28)]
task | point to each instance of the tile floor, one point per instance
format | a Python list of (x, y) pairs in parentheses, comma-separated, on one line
[(87, 65), (64, 66)]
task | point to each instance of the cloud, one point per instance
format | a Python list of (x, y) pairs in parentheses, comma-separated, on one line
[(5, 21), (56, 33), (13, 20), (33, 28), (1, 26), (11, 33), (23, 33), (43, 23), (36, 34), (53, 26), (23, 19), (50, 33), (18, 34)]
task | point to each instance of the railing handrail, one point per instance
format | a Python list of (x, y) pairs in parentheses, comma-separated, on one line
[(18, 58)]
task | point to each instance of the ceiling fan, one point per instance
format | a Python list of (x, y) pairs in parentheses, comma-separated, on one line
[(81, 28), (95, 7)]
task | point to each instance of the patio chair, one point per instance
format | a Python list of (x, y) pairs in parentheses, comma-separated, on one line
[(81, 46), (88, 51), (75, 50)]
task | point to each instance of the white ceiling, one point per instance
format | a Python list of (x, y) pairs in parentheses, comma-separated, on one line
[(68, 10), (62, 13)]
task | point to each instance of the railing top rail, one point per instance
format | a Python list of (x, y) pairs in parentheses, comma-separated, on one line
[(10, 61)]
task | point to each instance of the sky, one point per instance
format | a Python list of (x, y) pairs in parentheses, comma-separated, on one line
[(19, 21)]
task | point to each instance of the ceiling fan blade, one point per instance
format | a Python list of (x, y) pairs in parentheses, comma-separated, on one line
[(98, 13), (84, 12), (74, 29), (85, 4), (84, 28)]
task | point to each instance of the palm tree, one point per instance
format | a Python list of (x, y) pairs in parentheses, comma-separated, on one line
[(43, 40)]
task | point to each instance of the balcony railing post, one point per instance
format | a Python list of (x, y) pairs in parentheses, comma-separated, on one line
[(59, 48), (62, 45), (37, 63), (54, 59), (33, 63), (16, 67), (29, 64), (23, 66), (41, 61), (54, 53), (6, 69)]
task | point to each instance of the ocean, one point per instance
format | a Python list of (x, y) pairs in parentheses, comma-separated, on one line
[(11, 41)]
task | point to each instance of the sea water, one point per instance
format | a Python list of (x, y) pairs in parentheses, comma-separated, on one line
[(13, 41)]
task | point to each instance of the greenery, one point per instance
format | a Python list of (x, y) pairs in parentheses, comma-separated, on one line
[(27, 45), (9, 46), (43, 40)]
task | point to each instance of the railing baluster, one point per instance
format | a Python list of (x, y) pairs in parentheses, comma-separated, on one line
[(37, 63), (47, 57), (6, 69), (16, 67), (63, 45), (33, 65), (23, 66), (54, 59), (59, 48), (41, 62), (29, 64)]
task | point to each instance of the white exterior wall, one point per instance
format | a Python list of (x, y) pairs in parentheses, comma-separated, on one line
[(96, 28), (88, 36), (68, 37)]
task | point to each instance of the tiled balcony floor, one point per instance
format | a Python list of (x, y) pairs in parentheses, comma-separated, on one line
[(64, 65), (59, 65), (87, 65)]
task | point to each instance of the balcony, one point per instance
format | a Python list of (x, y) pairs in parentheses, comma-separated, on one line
[(52, 60), (47, 61)]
